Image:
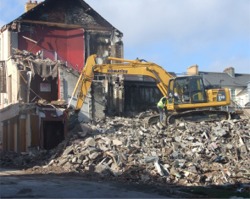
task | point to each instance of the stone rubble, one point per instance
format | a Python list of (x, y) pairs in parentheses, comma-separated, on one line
[(186, 153)]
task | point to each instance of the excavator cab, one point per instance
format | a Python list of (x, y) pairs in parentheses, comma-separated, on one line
[(186, 90), (190, 100)]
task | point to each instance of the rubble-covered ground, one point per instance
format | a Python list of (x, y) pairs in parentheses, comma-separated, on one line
[(125, 150)]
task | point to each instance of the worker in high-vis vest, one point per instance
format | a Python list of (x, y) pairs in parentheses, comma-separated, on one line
[(161, 105)]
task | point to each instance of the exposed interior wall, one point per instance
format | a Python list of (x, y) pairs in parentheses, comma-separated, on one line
[(103, 44), (140, 96), (98, 106), (67, 44), (67, 81), (117, 96), (116, 45), (100, 37), (24, 91), (14, 40), (43, 88)]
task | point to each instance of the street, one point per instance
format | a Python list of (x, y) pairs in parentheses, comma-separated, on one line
[(16, 184)]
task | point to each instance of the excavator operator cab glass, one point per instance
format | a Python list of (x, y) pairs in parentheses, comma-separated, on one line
[(188, 89), (171, 91), (197, 90)]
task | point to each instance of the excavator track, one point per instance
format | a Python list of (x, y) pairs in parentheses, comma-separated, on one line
[(191, 116), (198, 116), (151, 120)]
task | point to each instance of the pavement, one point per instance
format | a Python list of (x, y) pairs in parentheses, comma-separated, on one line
[(17, 184)]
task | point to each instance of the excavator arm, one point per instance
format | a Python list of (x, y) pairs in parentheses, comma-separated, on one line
[(129, 67), (85, 79), (192, 100)]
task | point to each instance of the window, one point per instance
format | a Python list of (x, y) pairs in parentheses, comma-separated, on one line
[(10, 88), (2, 77), (197, 90), (232, 93), (189, 90)]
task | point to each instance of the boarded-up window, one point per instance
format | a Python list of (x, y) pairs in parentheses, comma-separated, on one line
[(2, 77)]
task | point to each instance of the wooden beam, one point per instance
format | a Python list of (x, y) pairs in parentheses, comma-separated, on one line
[(61, 25), (22, 133), (29, 39), (67, 26)]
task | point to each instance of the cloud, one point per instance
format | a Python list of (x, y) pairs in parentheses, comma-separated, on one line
[(158, 20), (176, 33), (189, 31)]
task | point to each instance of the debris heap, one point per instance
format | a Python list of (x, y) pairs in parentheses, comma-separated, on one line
[(202, 153)]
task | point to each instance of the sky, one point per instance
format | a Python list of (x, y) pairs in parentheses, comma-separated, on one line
[(175, 34)]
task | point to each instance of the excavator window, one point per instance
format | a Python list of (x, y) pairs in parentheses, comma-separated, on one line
[(171, 90), (197, 90), (187, 89)]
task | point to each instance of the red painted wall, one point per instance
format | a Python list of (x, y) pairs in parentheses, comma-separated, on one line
[(69, 44), (75, 45)]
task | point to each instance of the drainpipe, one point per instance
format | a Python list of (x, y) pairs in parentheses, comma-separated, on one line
[(55, 56), (88, 44), (29, 75)]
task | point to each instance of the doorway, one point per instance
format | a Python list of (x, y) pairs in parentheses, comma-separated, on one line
[(53, 134)]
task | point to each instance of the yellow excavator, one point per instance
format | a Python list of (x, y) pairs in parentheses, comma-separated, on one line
[(188, 99)]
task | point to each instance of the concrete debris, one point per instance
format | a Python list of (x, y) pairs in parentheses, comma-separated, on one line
[(43, 67), (189, 154)]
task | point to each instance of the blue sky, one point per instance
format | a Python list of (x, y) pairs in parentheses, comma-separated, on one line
[(214, 34)]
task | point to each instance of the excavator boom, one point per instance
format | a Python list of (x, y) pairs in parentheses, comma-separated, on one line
[(131, 67), (186, 93)]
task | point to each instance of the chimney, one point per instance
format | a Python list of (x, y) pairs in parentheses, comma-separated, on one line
[(230, 71), (29, 5), (193, 70)]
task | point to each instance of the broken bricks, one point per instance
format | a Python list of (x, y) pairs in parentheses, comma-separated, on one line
[(188, 153)]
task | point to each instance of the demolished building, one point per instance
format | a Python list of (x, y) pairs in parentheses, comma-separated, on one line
[(42, 53)]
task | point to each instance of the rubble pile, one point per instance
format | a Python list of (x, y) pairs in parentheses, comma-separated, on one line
[(185, 153)]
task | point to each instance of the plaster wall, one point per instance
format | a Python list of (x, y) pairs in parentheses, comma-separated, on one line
[(5, 45), (68, 80), (12, 77), (12, 84)]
